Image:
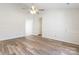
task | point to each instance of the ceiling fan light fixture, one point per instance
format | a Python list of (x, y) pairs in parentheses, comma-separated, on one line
[(33, 7), (33, 12)]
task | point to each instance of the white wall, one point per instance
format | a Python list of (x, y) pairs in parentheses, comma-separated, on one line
[(12, 22), (62, 25)]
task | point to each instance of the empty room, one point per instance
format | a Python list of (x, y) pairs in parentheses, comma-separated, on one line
[(39, 28)]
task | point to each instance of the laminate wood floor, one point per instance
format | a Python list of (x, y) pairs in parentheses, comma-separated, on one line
[(35, 45)]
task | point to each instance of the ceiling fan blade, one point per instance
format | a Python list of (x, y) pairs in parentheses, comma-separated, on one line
[(41, 9)]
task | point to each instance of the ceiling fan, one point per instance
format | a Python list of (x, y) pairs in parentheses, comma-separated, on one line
[(35, 10)]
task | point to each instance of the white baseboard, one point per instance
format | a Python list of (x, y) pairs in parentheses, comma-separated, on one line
[(73, 42), (7, 37)]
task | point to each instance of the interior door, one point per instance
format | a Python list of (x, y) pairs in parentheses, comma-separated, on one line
[(29, 27)]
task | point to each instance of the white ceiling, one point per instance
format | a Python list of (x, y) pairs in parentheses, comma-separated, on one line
[(45, 6), (53, 5)]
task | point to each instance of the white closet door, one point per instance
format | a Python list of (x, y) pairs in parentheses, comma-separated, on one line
[(29, 27)]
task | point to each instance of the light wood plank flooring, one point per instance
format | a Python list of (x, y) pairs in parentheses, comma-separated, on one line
[(35, 45)]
